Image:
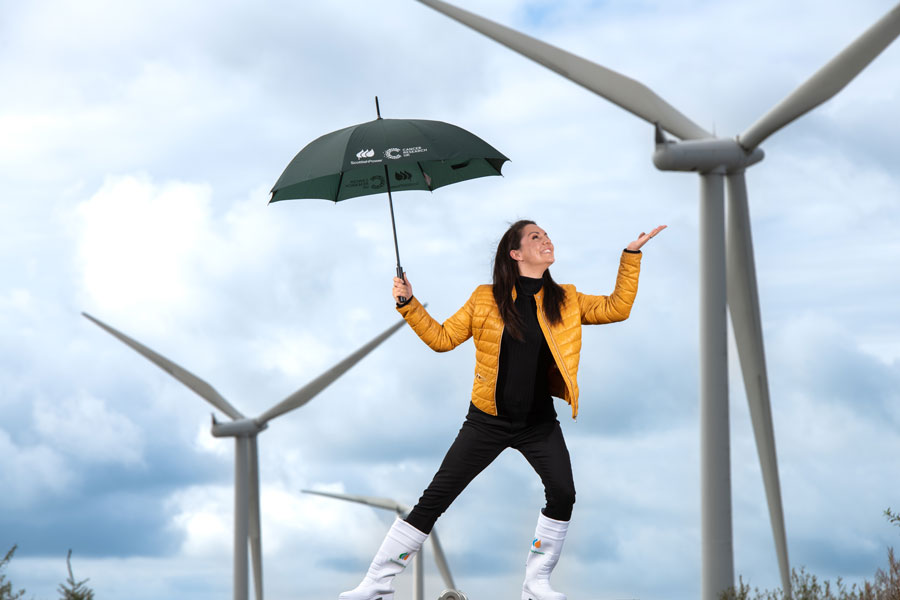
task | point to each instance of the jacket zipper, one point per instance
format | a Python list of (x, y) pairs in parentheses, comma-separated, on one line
[(563, 370), (497, 376)]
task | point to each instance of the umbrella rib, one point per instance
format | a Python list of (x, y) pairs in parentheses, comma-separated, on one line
[(425, 177), (337, 194)]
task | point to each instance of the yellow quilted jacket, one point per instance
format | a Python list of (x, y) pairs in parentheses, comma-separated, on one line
[(480, 318)]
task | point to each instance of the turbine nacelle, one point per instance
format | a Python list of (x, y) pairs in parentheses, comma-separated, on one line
[(239, 427), (703, 155)]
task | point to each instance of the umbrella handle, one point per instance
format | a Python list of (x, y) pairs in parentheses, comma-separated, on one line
[(400, 299)]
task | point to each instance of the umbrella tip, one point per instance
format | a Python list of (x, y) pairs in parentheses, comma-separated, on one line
[(377, 109)]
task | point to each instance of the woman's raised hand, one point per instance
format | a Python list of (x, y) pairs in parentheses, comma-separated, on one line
[(402, 289), (643, 238)]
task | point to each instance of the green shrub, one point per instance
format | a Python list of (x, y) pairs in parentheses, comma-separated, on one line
[(892, 517), (6, 591), (805, 586), (74, 590)]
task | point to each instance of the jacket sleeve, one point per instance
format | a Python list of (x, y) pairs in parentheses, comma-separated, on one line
[(596, 310), (439, 337)]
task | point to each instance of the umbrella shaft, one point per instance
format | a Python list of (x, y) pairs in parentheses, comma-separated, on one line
[(394, 227), (393, 222)]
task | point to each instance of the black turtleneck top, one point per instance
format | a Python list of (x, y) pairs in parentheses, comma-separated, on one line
[(522, 394)]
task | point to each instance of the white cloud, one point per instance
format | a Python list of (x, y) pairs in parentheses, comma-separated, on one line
[(31, 472), (84, 427), (139, 243), (294, 353), (203, 514), (18, 300)]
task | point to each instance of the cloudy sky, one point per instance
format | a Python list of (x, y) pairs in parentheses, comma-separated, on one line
[(138, 143)]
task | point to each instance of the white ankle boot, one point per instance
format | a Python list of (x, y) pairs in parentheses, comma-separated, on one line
[(396, 551), (549, 536)]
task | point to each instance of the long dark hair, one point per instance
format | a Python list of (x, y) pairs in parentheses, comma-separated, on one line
[(506, 271)]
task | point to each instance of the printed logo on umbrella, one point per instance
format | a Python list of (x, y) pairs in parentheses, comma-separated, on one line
[(395, 153), (365, 156)]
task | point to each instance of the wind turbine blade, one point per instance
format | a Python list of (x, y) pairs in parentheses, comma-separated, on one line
[(197, 385), (307, 392), (254, 529), (743, 302), (623, 91), (441, 561), (827, 81), (385, 503)]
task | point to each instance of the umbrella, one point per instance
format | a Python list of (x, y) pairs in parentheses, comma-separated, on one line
[(386, 155)]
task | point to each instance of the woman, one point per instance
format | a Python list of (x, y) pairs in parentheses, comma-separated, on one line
[(527, 331)]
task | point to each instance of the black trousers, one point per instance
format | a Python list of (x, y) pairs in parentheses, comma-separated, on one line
[(477, 445)]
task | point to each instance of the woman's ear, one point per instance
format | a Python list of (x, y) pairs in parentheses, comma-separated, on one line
[(516, 255)]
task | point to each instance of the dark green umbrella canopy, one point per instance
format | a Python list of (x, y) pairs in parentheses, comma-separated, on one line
[(406, 154), (386, 155)]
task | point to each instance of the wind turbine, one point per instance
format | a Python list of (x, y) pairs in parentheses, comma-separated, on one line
[(727, 269), (418, 568), (244, 431)]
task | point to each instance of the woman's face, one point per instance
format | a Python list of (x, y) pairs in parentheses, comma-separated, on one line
[(535, 252)]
